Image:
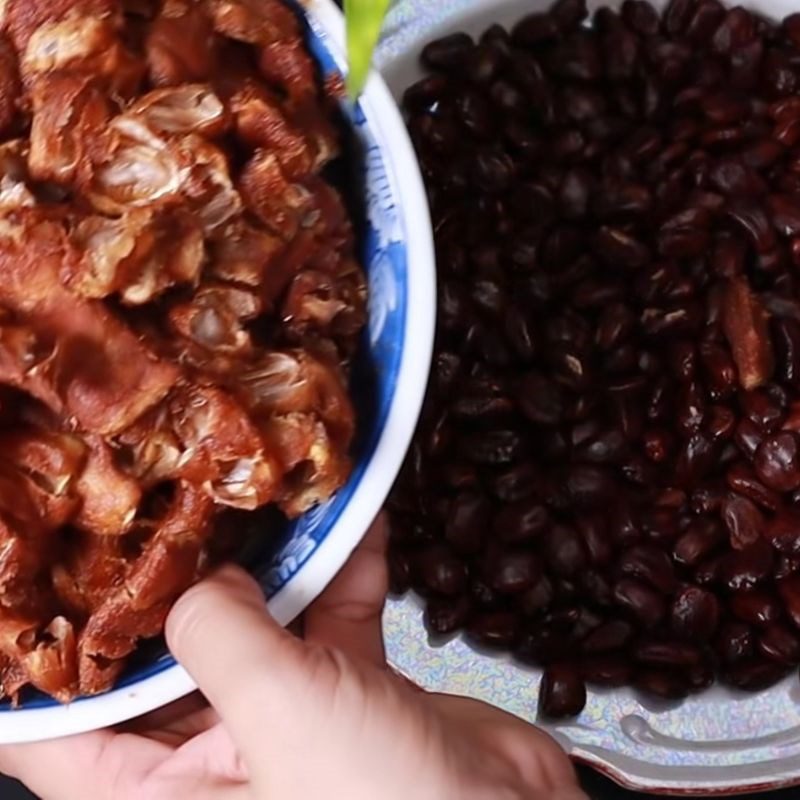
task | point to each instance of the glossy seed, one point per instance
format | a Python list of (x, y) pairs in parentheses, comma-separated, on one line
[(442, 572), (651, 564), (755, 607), (562, 692), (513, 572), (610, 636), (643, 603), (777, 461), (695, 614)]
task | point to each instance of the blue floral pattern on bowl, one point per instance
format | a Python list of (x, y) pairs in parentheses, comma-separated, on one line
[(384, 255)]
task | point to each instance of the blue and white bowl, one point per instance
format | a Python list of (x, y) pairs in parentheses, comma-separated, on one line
[(397, 250)]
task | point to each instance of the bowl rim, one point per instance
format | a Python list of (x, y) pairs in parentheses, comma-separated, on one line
[(155, 691)]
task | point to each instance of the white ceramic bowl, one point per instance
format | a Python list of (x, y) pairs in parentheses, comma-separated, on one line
[(721, 742), (392, 373)]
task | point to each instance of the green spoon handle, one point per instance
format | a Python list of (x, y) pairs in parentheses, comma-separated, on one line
[(363, 19)]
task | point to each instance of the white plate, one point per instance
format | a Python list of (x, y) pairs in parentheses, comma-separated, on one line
[(719, 742)]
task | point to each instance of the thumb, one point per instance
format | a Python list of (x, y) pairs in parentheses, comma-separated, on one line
[(251, 670)]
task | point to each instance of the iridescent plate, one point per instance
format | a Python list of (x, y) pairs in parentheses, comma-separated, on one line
[(719, 742)]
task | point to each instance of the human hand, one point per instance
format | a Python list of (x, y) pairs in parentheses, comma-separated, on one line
[(293, 719)]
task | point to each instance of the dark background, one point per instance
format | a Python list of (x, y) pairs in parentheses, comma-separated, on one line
[(597, 787)]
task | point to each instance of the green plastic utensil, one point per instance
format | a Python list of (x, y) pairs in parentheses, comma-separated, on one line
[(364, 19)]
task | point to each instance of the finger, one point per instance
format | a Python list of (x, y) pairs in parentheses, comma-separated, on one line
[(194, 787), (99, 765), (348, 614), (218, 756), (254, 673), (178, 730), (536, 754), (187, 716), (107, 766)]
